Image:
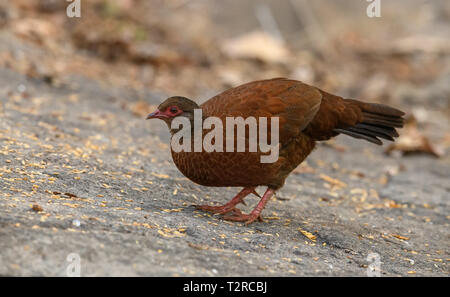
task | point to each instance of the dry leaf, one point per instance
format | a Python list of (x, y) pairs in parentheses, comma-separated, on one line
[(142, 108), (309, 235), (400, 237), (37, 208), (256, 45), (333, 181), (411, 140)]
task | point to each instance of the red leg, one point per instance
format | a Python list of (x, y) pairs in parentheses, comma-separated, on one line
[(238, 216), (239, 198)]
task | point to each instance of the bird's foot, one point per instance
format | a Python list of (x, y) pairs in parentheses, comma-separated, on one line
[(222, 209), (237, 216)]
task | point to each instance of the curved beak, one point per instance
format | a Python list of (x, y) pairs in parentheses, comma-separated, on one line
[(157, 114)]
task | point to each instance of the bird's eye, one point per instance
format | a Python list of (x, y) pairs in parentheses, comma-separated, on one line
[(173, 110)]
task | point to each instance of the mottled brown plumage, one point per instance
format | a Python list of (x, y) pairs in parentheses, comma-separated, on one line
[(306, 115)]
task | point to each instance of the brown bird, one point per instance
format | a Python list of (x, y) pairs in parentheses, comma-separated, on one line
[(306, 114)]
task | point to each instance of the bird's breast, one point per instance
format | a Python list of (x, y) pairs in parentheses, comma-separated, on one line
[(242, 169)]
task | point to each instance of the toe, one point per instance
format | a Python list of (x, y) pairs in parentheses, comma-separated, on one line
[(252, 218), (237, 216), (214, 209)]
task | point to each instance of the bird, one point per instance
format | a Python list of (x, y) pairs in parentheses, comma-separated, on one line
[(306, 115)]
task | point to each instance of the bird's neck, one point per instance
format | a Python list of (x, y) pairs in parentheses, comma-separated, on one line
[(175, 127)]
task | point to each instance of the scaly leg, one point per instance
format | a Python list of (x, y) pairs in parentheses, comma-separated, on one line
[(239, 198), (238, 216)]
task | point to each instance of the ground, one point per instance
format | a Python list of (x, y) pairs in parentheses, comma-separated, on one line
[(97, 163), (82, 172)]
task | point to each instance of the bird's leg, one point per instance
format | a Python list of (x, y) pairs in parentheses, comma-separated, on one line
[(239, 198), (238, 216)]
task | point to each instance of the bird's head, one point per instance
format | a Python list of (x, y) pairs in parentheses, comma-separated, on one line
[(173, 107)]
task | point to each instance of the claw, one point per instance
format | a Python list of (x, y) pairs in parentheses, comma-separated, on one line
[(256, 193)]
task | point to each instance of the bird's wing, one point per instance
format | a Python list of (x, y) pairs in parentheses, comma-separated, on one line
[(293, 102)]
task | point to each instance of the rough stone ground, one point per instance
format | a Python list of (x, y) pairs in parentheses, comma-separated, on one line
[(79, 154)]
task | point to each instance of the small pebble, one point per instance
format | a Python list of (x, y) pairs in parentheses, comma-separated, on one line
[(21, 88)]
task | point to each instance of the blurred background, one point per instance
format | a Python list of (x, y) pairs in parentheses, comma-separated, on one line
[(82, 172), (198, 48)]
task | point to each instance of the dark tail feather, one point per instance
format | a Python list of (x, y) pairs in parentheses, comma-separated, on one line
[(359, 135), (378, 120)]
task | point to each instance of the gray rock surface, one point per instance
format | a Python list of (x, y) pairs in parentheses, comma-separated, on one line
[(103, 186)]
